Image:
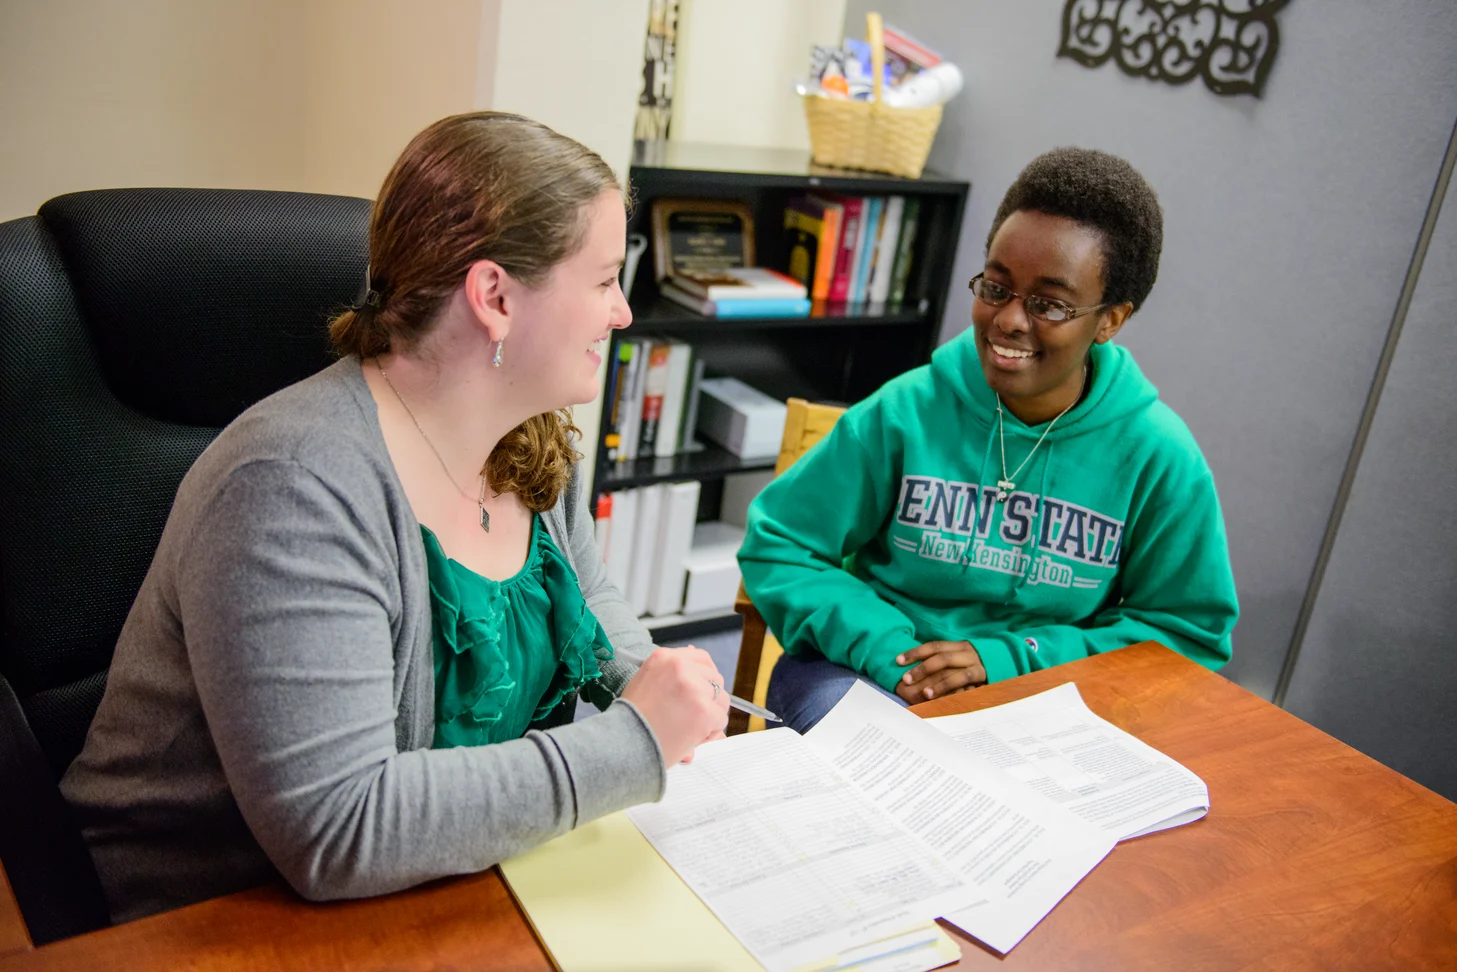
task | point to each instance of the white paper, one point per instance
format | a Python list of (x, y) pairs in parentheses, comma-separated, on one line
[(1021, 852), (796, 862), (919, 950), (1056, 745)]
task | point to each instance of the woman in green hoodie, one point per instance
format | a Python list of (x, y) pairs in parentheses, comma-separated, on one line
[(1022, 501)]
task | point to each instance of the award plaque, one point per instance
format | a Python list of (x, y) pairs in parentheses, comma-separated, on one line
[(701, 234)]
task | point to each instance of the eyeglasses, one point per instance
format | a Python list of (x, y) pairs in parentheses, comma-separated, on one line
[(1047, 309)]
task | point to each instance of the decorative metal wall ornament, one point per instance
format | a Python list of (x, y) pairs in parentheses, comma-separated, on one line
[(1230, 43), (655, 103)]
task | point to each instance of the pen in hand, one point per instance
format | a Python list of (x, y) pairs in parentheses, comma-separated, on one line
[(744, 705)]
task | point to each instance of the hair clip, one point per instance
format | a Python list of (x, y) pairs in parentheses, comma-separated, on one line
[(372, 300)]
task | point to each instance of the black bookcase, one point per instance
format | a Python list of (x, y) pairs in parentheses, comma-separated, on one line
[(841, 353)]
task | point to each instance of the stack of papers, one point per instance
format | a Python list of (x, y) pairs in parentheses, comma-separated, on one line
[(1054, 744), (804, 845), (837, 849), (600, 899)]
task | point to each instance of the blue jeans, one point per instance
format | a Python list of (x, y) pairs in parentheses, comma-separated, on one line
[(803, 690)]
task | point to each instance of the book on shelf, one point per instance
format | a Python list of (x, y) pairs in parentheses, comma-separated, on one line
[(738, 283), (670, 550), (905, 248), (853, 248), (802, 234), (620, 536), (665, 562), (613, 396), (739, 308), (813, 226), (868, 255), (865, 247), (852, 208), (920, 275), (653, 387), (662, 408), (644, 542), (633, 399), (882, 264), (602, 515), (625, 404), (693, 394), (669, 438)]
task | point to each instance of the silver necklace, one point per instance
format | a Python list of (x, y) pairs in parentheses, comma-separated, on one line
[(1006, 485), (481, 499)]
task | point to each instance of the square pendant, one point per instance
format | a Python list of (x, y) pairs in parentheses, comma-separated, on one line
[(485, 520)]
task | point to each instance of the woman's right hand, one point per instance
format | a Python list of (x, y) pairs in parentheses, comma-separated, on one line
[(674, 692)]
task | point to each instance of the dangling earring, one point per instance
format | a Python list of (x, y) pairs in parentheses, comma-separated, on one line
[(496, 361)]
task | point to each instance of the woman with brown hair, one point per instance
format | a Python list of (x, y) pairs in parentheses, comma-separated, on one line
[(377, 597)]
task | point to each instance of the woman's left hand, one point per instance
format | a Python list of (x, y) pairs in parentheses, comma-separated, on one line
[(946, 667)]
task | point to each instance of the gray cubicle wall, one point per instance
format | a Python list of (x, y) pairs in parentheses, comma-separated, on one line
[(1290, 224), (1377, 667)]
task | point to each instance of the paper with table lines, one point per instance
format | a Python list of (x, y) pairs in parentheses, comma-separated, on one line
[(793, 859), (600, 899), (1056, 745), (1020, 851)]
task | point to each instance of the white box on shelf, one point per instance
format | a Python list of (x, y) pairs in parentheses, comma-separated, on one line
[(713, 568), (743, 420)]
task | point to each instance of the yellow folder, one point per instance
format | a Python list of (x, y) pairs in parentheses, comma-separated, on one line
[(601, 899)]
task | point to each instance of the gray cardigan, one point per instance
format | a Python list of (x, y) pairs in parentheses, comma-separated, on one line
[(270, 705)]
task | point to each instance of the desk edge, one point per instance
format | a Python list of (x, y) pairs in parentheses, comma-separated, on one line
[(14, 935)]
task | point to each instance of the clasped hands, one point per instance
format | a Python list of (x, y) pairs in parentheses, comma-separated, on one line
[(946, 667)]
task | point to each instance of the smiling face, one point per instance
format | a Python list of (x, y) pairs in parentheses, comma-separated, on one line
[(564, 323), (1037, 366)]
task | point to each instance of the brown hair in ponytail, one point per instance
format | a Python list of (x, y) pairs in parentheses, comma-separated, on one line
[(481, 186)]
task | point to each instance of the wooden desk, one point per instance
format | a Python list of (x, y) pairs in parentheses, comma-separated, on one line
[(13, 934), (1313, 857)]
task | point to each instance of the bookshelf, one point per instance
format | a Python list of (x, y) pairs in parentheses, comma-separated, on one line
[(711, 463), (660, 315), (840, 353)]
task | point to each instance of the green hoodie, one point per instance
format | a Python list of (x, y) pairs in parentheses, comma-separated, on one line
[(860, 550)]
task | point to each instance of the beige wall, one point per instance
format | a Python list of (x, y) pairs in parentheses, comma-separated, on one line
[(737, 64), (378, 71), (151, 92), (310, 95), (318, 95), (575, 65), (588, 90)]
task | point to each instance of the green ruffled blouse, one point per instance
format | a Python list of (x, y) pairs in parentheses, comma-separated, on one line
[(508, 652)]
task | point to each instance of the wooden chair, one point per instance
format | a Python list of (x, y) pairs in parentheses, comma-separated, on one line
[(804, 425)]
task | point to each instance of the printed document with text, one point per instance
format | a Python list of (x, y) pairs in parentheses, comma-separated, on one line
[(1021, 852), (1053, 743), (794, 860)]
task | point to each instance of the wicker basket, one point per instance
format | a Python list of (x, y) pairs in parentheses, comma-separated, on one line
[(871, 134)]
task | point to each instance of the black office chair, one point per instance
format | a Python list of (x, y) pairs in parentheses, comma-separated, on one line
[(134, 325)]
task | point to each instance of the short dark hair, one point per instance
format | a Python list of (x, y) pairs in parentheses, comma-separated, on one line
[(1105, 193)]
